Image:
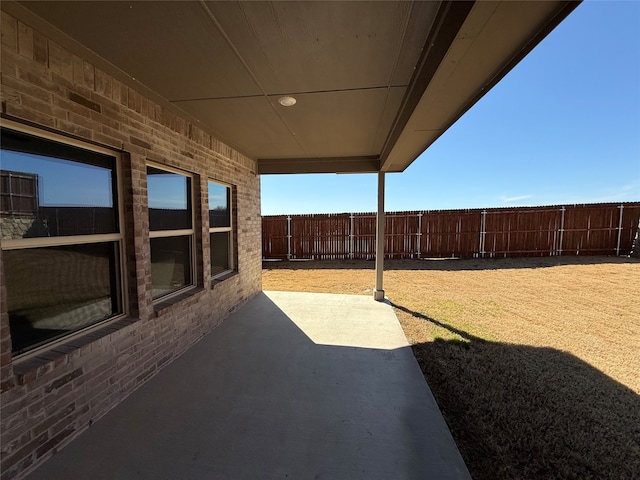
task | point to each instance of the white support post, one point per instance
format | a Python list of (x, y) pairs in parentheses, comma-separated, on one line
[(378, 293), (288, 237), (621, 207)]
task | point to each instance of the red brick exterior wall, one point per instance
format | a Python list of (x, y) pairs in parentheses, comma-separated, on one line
[(48, 399)]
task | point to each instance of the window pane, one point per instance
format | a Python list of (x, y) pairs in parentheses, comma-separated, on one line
[(219, 205), (47, 194), (53, 291), (170, 264), (169, 200), (219, 252)]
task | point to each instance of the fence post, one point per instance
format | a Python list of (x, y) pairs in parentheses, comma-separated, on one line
[(419, 234), (621, 207), (351, 236), (288, 237), (483, 233), (10, 193), (561, 231)]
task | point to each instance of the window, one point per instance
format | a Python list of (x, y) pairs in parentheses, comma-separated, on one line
[(170, 230), (220, 234), (61, 236)]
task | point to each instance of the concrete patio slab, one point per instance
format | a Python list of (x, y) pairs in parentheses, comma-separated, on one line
[(291, 386)]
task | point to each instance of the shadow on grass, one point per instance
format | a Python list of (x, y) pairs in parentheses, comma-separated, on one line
[(518, 411), (449, 264)]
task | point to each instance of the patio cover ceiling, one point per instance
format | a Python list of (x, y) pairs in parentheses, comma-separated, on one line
[(376, 83)]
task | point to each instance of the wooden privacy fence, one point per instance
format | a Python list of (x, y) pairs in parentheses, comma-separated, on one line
[(590, 229)]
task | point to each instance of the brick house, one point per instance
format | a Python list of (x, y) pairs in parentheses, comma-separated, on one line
[(131, 193)]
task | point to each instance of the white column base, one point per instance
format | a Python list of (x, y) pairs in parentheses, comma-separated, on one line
[(378, 295)]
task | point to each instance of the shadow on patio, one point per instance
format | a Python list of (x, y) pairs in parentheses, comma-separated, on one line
[(293, 385)]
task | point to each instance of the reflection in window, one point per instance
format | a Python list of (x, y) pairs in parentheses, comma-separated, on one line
[(72, 193), (219, 205), (171, 231), (56, 286), (220, 228), (56, 290), (219, 252), (169, 200), (170, 264)]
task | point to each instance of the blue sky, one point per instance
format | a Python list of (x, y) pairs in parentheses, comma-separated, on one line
[(563, 127), (217, 196), (167, 191), (63, 182)]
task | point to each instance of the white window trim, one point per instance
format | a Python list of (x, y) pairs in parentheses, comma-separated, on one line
[(18, 244), (178, 233), (170, 233), (229, 229)]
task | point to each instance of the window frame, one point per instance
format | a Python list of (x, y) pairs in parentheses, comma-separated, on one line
[(177, 232), (80, 239), (230, 229)]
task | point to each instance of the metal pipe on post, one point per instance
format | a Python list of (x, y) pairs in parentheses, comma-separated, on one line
[(419, 234), (621, 207), (483, 233), (561, 231), (288, 237), (351, 253), (10, 193), (378, 293)]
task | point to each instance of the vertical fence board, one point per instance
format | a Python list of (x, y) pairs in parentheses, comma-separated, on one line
[(401, 240), (364, 236), (274, 237), (450, 233), (523, 232), (592, 229)]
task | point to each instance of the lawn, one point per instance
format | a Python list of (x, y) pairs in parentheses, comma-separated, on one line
[(534, 362)]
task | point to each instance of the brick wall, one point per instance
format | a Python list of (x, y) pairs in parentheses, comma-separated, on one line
[(49, 398)]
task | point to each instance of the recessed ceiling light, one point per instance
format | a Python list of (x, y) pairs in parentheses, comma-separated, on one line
[(287, 101)]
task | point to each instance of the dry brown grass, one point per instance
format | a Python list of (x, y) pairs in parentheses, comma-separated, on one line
[(534, 362)]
